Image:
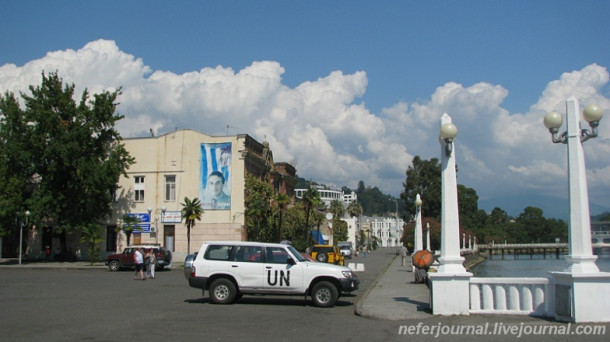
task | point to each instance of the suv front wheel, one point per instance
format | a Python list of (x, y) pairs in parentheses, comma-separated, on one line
[(324, 294), (222, 291)]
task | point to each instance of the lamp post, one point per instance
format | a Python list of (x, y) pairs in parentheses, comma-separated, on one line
[(418, 236), (580, 257), (582, 277), (396, 218), (428, 236), (27, 215), (450, 285), (450, 260)]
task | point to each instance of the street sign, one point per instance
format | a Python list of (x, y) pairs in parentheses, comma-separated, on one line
[(142, 217)]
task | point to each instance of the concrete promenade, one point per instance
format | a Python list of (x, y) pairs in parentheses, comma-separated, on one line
[(395, 295)]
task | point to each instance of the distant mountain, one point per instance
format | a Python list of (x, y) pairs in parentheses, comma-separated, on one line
[(552, 207)]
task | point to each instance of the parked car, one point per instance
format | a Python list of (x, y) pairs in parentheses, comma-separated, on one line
[(118, 261), (308, 257), (230, 269), (346, 251), (327, 253)]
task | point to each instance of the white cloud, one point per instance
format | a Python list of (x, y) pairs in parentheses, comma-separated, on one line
[(329, 135)]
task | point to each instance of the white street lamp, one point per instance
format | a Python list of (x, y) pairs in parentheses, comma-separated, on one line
[(580, 257), (450, 285), (428, 236), (27, 215), (448, 133), (396, 229), (582, 277), (418, 236), (450, 260)]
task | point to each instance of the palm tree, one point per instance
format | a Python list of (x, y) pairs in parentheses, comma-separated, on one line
[(91, 234), (257, 211), (312, 200), (129, 224), (281, 200), (337, 208), (354, 209), (191, 212)]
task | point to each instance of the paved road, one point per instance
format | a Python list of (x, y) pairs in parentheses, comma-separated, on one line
[(38, 304), (97, 305)]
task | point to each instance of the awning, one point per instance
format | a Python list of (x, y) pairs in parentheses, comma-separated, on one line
[(317, 237)]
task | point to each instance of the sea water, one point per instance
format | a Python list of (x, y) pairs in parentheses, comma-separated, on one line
[(537, 266)]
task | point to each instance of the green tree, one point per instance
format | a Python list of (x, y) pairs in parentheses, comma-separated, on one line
[(71, 153), (354, 209), (337, 209), (339, 230), (423, 178), (16, 169), (604, 216), (294, 221), (258, 210), (468, 207), (280, 201), (312, 200), (534, 223), (498, 216), (91, 234), (191, 213)]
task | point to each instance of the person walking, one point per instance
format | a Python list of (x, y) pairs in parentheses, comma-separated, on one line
[(403, 254), (152, 263), (138, 260)]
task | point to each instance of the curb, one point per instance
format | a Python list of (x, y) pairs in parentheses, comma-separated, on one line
[(358, 310)]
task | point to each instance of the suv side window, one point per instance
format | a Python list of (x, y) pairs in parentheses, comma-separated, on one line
[(218, 252), (248, 254), (276, 255)]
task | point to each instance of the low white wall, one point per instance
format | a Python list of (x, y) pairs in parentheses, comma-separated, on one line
[(516, 296)]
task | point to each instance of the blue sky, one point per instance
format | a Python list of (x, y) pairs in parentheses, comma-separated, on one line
[(360, 83)]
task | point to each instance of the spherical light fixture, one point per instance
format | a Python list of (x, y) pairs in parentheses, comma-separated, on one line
[(593, 113), (553, 121), (448, 131)]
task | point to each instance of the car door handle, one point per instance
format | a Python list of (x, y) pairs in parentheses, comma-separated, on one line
[(234, 265), (269, 267)]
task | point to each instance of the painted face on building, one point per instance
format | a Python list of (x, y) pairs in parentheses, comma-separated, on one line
[(215, 184)]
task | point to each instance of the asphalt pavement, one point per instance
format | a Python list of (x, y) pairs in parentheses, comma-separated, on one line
[(393, 295)]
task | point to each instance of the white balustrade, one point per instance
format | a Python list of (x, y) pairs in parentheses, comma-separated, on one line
[(515, 296)]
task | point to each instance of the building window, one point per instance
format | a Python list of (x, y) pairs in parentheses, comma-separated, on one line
[(170, 188), (139, 188)]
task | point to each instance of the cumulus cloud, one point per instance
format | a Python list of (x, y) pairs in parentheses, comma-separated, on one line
[(324, 129)]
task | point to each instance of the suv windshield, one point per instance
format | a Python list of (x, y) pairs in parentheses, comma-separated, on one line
[(296, 254)]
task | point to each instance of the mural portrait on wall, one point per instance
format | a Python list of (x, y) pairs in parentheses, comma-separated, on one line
[(215, 187)]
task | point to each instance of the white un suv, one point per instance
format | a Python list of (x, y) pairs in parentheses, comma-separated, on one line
[(230, 269)]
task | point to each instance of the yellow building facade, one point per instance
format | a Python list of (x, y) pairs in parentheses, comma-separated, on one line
[(180, 164)]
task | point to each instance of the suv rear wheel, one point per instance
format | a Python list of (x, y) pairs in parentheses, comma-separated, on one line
[(114, 265), (324, 294), (222, 291)]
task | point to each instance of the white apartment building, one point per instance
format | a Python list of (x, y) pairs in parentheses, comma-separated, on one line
[(327, 196), (387, 230)]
